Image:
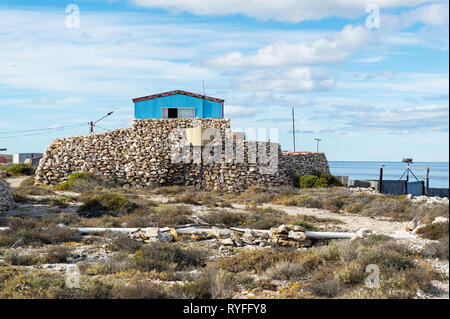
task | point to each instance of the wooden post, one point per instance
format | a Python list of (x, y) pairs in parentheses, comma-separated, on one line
[(380, 181)]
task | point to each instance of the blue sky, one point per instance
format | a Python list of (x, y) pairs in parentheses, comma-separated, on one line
[(370, 93)]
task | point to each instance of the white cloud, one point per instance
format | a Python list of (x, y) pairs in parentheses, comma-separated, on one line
[(281, 10), (372, 59), (324, 50), (289, 80), (236, 111)]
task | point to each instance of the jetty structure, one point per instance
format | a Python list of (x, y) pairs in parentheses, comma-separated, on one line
[(177, 138)]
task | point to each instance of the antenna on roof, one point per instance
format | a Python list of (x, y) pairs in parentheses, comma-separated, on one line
[(204, 93)]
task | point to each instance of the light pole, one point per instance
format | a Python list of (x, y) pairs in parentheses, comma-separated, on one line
[(293, 128), (318, 141), (91, 123)]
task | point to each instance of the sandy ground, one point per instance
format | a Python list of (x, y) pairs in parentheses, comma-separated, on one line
[(15, 182)]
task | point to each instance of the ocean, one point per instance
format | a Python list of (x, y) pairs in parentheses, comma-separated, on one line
[(392, 170)]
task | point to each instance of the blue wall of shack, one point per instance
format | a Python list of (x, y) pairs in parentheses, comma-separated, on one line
[(152, 109)]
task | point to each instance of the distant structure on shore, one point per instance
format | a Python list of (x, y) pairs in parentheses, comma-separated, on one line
[(22, 157)]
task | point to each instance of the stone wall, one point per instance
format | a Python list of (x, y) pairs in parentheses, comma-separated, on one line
[(6, 197), (306, 163), (156, 152)]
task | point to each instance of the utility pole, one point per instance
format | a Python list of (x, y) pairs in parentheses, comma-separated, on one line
[(293, 127), (318, 141), (92, 124)]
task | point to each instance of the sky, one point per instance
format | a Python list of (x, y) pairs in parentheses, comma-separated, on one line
[(369, 78)]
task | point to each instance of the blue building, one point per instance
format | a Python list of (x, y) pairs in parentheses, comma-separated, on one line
[(177, 104)]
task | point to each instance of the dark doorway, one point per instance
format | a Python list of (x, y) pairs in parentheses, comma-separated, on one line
[(172, 113)]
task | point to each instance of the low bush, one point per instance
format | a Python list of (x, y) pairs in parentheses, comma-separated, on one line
[(83, 181), (56, 255), (211, 284), (286, 270), (34, 233), (17, 257), (164, 216), (20, 169), (434, 231), (140, 289), (161, 256), (106, 203), (308, 181), (123, 243), (255, 217), (259, 261)]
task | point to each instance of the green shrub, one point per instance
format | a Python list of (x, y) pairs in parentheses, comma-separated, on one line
[(330, 180), (20, 169), (106, 203), (296, 179), (320, 182), (83, 181), (308, 181)]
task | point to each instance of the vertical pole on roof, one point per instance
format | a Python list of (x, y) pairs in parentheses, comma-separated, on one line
[(293, 127)]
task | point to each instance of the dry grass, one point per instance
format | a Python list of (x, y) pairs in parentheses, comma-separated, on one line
[(161, 256), (141, 289), (164, 216), (336, 199), (436, 231), (36, 233), (212, 283)]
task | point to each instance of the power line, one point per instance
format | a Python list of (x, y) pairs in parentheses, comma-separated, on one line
[(43, 133), (42, 129), (106, 129)]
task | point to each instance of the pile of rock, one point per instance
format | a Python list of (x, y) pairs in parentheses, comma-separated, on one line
[(153, 234), (290, 235), (429, 199), (153, 152), (6, 197)]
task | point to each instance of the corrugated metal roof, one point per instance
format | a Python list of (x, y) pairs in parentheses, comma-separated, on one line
[(154, 96)]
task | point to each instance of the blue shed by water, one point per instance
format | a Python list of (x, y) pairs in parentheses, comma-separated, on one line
[(177, 104)]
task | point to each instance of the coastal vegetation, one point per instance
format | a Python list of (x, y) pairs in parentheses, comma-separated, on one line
[(115, 265)]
